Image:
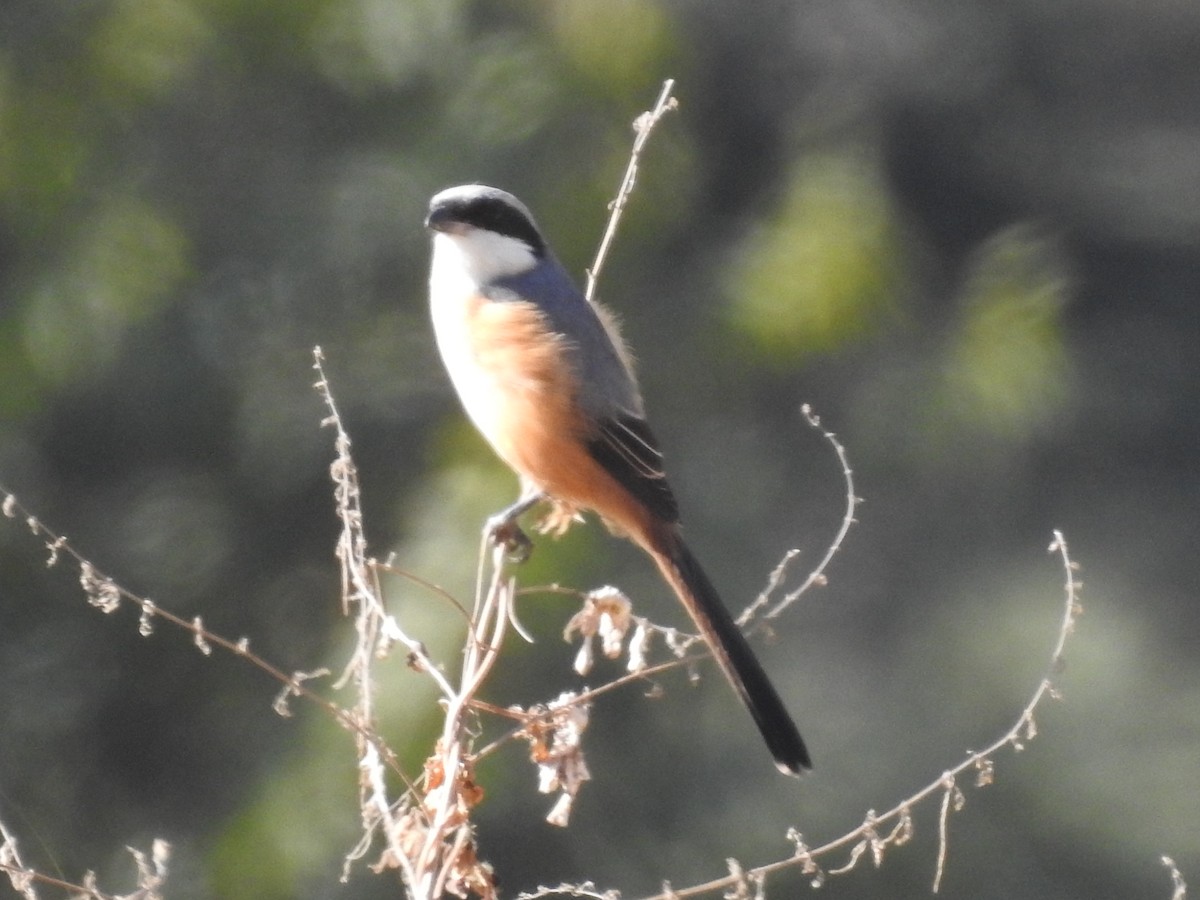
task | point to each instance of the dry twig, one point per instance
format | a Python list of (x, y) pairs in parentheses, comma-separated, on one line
[(643, 126)]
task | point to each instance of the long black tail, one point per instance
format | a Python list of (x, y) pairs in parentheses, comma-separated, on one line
[(683, 572)]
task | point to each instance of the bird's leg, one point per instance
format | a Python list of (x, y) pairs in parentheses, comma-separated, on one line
[(502, 528)]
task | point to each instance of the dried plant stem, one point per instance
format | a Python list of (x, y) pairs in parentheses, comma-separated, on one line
[(101, 589), (447, 847), (360, 586), (643, 126), (817, 575), (151, 871), (1179, 886)]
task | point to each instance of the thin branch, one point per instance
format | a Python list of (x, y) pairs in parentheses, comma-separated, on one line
[(952, 798), (21, 877), (1177, 882), (586, 890), (358, 585), (151, 870), (642, 126), (389, 566), (816, 576), (106, 595)]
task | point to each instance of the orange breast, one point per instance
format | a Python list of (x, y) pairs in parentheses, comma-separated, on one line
[(518, 385)]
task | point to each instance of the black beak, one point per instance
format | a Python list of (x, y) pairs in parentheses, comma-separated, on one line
[(439, 219)]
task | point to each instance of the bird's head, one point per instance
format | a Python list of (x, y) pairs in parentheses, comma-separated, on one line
[(489, 229)]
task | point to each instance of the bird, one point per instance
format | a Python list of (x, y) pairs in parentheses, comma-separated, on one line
[(546, 378)]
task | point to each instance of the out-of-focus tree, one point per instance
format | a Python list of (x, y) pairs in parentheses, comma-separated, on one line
[(968, 235)]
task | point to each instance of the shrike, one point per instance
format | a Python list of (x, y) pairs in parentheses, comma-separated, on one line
[(545, 377)]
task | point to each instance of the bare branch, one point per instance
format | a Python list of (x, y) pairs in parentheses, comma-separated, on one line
[(816, 576), (642, 126), (151, 869), (1180, 886), (106, 595)]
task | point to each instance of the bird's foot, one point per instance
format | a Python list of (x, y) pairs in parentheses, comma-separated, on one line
[(503, 531)]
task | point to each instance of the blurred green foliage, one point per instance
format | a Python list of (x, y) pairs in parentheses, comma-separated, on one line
[(611, 45), (123, 265), (1006, 368), (969, 237), (143, 50), (826, 269)]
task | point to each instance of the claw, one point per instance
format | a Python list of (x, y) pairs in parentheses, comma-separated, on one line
[(503, 531)]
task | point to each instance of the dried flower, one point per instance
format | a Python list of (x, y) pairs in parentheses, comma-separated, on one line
[(607, 614), (556, 746)]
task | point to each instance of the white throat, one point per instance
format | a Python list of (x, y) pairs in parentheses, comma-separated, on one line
[(478, 256)]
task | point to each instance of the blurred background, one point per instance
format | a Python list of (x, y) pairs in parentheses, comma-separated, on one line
[(968, 234)]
